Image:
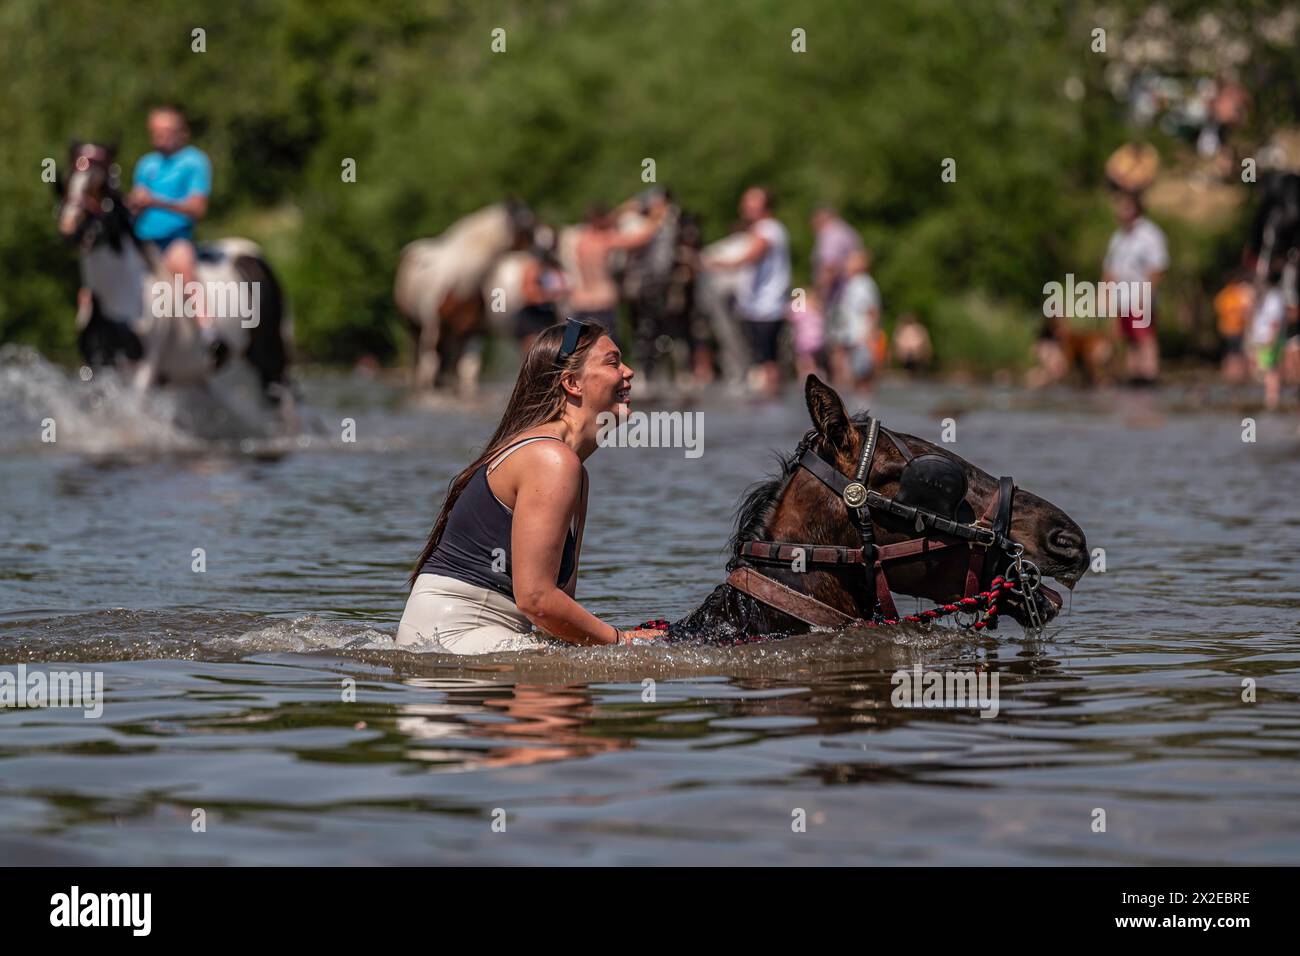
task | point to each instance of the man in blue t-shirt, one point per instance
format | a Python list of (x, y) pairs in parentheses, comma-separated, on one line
[(170, 193)]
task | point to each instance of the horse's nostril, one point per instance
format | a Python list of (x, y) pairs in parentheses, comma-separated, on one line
[(1065, 542)]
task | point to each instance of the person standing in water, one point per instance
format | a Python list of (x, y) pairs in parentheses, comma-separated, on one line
[(763, 305), (595, 296), (836, 242), (1137, 254), (542, 285), (503, 553)]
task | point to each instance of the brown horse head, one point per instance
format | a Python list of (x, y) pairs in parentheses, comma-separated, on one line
[(798, 506), (1052, 540)]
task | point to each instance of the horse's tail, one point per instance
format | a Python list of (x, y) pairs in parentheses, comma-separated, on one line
[(267, 352)]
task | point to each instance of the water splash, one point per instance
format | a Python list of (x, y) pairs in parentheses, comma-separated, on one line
[(91, 412)]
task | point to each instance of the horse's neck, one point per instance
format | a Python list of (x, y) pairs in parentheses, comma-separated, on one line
[(117, 277), (729, 281), (469, 248), (729, 246), (487, 229)]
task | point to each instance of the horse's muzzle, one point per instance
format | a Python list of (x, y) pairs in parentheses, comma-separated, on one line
[(1047, 602)]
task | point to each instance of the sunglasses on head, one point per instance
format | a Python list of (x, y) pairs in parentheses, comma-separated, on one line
[(572, 330)]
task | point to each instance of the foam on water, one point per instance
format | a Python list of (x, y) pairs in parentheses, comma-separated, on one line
[(123, 635), (97, 414)]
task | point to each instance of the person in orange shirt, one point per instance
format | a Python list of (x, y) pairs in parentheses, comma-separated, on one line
[(1233, 307)]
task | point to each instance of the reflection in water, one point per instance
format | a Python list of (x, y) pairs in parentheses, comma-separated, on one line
[(486, 725)]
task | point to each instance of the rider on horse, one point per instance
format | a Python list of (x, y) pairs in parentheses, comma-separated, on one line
[(170, 194)]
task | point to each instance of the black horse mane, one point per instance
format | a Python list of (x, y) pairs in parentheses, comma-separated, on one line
[(118, 223), (760, 499)]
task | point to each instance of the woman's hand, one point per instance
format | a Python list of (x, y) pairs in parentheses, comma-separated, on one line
[(642, 634)]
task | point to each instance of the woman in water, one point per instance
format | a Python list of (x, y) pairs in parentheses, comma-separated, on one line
[(503, 554)]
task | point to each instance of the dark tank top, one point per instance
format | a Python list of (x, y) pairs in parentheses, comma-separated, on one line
[(477, 526)]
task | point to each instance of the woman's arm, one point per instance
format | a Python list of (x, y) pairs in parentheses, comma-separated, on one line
[(639, 237), (549, 491)]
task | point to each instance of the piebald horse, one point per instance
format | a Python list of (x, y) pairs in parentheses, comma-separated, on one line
[(439, 288), (133, 320)]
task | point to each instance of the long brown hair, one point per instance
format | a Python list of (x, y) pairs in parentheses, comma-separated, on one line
[(538, 398)]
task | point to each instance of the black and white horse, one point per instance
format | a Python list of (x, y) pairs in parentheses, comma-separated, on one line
[(658, 284), (134, 322)]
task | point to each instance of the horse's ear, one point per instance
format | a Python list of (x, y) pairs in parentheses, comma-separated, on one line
[(828, 414)]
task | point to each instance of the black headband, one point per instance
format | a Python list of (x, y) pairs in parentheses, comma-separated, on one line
[(572, 329)]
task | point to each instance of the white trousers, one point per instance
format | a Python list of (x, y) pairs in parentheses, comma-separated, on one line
[(463, 618)]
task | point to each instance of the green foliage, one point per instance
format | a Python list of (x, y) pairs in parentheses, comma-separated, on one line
[(440, 125)]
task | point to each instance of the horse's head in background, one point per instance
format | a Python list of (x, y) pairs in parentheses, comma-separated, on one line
[(89, 196), (522, 224)]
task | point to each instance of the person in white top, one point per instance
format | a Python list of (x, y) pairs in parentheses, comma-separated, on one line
[(763, 305), (855, 324), (1137, 253)]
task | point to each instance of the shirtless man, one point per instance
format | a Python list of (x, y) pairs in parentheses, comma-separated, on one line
[(595, 296)]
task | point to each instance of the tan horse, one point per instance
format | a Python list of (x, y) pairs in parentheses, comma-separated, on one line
[(439, 288)]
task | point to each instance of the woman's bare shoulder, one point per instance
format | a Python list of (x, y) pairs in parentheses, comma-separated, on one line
[(551, 459)]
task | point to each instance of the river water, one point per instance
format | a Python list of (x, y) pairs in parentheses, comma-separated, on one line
[(224, 690)]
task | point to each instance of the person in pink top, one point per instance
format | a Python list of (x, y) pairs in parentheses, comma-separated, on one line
[(809, 324), (835, 242)]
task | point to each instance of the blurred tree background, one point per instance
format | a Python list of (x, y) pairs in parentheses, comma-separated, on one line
[(440, 125)]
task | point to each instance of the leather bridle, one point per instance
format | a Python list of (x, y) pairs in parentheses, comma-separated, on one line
[(938, 534), (93, 209)]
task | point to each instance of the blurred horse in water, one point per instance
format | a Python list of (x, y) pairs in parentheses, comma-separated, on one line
[(657, 282), (131, 319), (439, 289)]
